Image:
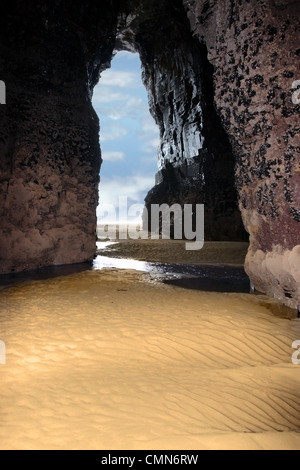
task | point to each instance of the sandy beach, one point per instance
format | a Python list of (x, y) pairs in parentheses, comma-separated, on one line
[(124, 124), (174, 251), (114, 359)]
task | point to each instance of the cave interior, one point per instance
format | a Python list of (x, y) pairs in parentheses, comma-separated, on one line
[(228, 138)]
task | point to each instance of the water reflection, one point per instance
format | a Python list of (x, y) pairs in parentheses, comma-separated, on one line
[(104, 262), (213, 278)]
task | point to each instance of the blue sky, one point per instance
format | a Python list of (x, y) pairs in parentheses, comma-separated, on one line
[(129, 137)]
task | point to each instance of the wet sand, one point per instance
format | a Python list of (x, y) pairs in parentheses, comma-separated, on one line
[(174, 251), (192, 274), (114, 359), (218, 267)]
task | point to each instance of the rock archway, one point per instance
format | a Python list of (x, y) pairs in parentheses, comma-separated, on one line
[(219, 77)]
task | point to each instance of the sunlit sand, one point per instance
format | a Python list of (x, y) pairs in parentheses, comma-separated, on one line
[(111, 359)]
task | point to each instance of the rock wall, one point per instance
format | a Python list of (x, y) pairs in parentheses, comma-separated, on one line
[(254, 49), (220, 78), (50, 59), (196, 162)]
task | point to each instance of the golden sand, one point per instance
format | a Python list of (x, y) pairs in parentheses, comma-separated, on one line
[(111, 360)]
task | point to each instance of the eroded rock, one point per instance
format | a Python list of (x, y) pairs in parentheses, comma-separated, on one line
[(253, 47), (50, 60), (222, 90), (195, 159)]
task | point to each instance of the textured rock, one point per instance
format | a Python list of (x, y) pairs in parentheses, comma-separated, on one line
[(195, 159), (222, 98), (50, 59), (254, 49)]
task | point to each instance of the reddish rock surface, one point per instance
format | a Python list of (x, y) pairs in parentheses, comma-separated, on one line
[(254, 48), (51, 57)]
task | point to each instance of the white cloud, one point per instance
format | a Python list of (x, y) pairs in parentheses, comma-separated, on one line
[(151, 145), (134, 187), (127, 54), (118, 106), (107, 95), (150, 134), (115, 115), (114, 133), (120, 79), (135, 103), (113, 156), (148, 124), (113, 112)]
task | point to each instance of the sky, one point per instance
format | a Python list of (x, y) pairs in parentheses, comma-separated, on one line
[(129, 137)]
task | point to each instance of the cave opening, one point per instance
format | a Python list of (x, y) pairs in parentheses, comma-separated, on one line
[(56, 173), (196, 162), (129, 139)]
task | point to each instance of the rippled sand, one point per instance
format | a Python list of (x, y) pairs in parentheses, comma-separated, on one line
[(110, 360)]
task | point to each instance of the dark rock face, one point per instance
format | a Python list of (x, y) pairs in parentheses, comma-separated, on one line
[(196, 162), (219, 77), (50, 59), (254, 49)]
